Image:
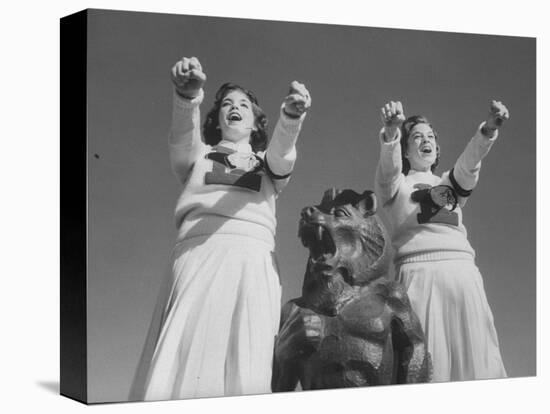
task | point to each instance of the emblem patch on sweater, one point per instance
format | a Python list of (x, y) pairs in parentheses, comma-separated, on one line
[(437, 204), (236, 169)]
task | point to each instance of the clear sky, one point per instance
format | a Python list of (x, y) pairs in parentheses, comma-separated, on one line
[(350, 72)]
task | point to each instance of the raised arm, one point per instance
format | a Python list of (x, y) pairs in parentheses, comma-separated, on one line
[(388, 172), (185, 138), (301, 331), (281, 151), (414, 362), (465, 174)]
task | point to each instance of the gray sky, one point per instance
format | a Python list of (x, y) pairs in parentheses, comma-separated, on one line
[(350, 72)]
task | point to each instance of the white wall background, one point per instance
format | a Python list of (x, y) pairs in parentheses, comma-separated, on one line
[(29, 299)]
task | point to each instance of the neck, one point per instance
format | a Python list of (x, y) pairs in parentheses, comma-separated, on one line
[(422, 169), (420, 166), (239, 145), (238, 137)]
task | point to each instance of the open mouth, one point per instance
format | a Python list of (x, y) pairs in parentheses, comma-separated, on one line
[(426, 149), (234, 117), (318, 240)]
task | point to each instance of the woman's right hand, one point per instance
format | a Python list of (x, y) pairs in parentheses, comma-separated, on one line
[(393, 117), (188, 77)]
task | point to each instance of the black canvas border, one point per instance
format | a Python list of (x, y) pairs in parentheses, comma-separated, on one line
[(73, 202)]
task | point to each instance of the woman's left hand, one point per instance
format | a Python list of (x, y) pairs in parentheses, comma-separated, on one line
[(297, 101), (498, 113)]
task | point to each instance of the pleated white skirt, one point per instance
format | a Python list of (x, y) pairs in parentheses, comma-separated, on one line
[(449, 299), (216, 321)]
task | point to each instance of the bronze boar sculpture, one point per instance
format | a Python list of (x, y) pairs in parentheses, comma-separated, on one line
[(351, 327)]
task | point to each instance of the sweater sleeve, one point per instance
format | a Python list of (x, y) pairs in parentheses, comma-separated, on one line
[(389, 170), (185, 138), (281, 151), (465, 174)]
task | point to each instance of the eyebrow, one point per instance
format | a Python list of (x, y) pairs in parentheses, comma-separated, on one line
[(239, 101)]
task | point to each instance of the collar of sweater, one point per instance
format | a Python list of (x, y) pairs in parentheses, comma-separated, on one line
[(420, 173), (426, 177)]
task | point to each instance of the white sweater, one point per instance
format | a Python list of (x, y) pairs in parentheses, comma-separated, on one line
[(412, 233), (207, 206)]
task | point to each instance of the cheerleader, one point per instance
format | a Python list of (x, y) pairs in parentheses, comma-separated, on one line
[(433, 257), (218, 313)]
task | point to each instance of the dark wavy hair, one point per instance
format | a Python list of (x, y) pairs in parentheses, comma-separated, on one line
[(211, 127), (406, 128)]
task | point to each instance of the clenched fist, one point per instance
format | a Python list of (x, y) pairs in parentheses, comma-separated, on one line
[(302, 332), (297, 101), (188, 77), (498, 113), (393, 116)]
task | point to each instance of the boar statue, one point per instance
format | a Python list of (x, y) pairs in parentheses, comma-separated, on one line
[(352, 326)]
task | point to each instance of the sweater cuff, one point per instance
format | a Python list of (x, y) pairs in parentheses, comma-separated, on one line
[(290, 124), (391, 146), (184, 103), (479, 134), (391, 143)]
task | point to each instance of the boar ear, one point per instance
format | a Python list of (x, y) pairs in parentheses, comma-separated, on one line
[(329, 196), (367, 203)]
